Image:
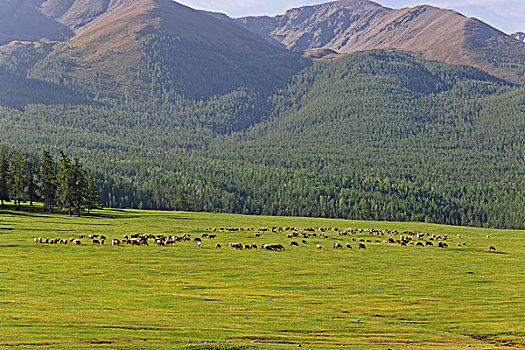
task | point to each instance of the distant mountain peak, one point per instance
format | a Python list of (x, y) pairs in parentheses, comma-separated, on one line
[(355, 25), (519, 36)]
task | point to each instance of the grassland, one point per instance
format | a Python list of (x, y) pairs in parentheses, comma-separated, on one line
[(179, 297)]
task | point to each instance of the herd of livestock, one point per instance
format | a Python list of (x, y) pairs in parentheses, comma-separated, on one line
[(297, 236)]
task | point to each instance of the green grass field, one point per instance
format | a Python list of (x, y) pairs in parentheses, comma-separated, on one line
[(183, 297)]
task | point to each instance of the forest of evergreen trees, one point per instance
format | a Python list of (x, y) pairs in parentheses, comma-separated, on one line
[(66, 185), (372, 135)]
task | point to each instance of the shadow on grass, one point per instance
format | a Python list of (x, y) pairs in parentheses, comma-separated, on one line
[(35, 213)]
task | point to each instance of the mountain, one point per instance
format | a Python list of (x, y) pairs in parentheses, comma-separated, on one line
[(151, 48), (160, 99), (21, 20), (519, 36), (410, 138), (355, 25)]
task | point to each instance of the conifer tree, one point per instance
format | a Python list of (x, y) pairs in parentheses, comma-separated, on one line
[(66, 183), (32, 187), (48, 181), (18, 178), (4, 178), (92, 195), (79, 191)]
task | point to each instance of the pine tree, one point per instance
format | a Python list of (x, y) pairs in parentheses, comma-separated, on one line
[(79, 193), (32, 183), (92, 195), (48, 182), (18, 178), (4, 178), (182, 202), (66, 183)]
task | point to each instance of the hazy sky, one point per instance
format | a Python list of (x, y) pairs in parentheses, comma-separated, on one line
[(506, 15)]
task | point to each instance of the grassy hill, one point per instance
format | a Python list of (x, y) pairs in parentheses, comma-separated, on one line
[(183, 297)]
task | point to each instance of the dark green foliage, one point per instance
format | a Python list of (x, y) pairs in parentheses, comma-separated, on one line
[(66, 183), (4, 177), (32, 188), (48, 182), (181, 67), (18, 178), (372, 135), (182, 202)]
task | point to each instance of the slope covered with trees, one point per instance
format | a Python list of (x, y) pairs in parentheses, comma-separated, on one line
[(373, 135)]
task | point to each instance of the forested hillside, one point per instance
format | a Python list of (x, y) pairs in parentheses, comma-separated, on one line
[(373, 135)]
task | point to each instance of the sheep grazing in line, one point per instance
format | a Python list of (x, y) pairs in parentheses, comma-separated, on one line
[(362, 246), (304, 242), (338, 246), (96, 241), (115, 242), (293, 243)]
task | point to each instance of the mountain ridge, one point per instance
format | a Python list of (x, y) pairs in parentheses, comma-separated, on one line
[(519, 36), (434, 33)]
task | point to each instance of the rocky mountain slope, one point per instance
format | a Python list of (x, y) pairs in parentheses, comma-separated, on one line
[(519, 36), (434, 33), (119, 47)]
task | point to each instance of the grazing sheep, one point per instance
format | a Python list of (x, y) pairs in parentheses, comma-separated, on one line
[(115, 242), (293, 243), (199, 244), (304, 242), (320, 247), (349, 246), (77, 242), (218, 246), (492, 249), (338, 246), (96, 241), (362, 246), (212, 236), (429, 243), (488, 236)]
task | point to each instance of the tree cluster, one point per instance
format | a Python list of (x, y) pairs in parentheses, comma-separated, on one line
[(66, 184)]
